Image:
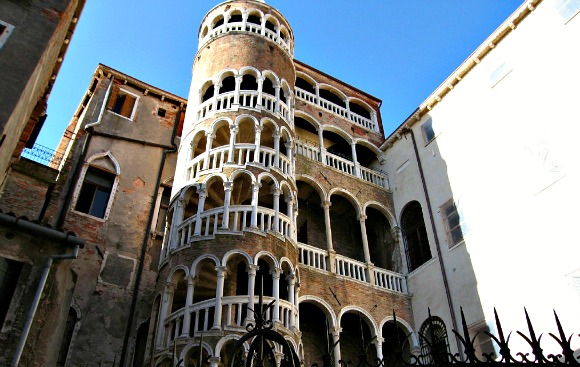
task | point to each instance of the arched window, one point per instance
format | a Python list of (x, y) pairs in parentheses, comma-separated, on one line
[(434, 342), (67, 336), (415, 236), (249, 82)]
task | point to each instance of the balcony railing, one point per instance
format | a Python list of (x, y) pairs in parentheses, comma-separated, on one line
[(43, 155), (349, 268), (309, 150), (239, 219), (369, 124), (243, 154), (231, 101), (234, 316)]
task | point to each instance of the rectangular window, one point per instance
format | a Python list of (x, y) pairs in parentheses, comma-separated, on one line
[(9, 274), (568, 8), (454, 223), (428, 132), (122, 102), (163, 206), (95, 192), (5, 31)]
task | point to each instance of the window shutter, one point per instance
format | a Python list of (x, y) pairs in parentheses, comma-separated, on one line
[(127, 108), (113, 97)]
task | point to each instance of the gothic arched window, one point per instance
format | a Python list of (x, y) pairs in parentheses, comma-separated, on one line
[(415, 236), (434, 343)]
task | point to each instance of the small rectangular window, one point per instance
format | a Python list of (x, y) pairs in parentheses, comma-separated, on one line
[(568, 8), (95, 192), (161, 112), (5, 31), (9, 274), (122, 102), (454, 223), (428, 132)]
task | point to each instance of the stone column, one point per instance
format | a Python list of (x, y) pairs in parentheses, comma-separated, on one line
[(255, 190), (290, 153), (276, 136), (276, 193), (237, 90), (233, 134), (187, 309), (355, 159), (290, 279), (208, 143), (335, 332), (227, 197), (252, 269), (260, 81), (219, 293), (257, 142), (331, 253), (277, 94), (322, 149), (213, 103), (175, 223), (276, 293), (202, 194), (365, 242), (167, 296), (213, 362), (378, 342)]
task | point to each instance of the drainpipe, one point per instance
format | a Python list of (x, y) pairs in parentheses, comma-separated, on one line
[(36, 301), (437, 245), (89, 128), (48, 234)]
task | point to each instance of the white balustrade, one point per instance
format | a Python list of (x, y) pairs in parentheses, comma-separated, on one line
[(351, 268), (311, 98), (313, 256), (307, 150), (248, 99), (390, 280), (340, 164), (375, 177)]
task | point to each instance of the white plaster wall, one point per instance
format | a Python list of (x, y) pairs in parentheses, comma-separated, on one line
[(509, 153)]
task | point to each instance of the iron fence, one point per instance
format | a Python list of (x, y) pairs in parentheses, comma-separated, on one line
[(43, 155)]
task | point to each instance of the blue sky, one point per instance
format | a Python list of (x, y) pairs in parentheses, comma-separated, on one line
[(396, 50)]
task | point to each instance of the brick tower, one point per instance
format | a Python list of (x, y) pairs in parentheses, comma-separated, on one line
[(275, 193)]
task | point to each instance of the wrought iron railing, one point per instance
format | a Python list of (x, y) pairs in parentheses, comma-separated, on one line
[(43, 155)]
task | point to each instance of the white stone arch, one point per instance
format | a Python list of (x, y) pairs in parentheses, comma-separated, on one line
[(287, 32), (324, 306), (167, 356), (77, 326), (219, 122), (262, 175), (222, 74), (250, 70), (197, 261), (285, 131), (175, 270), (184, 191), (228, 14), (405, 325), (253, 11), (232, 253), (292, 343), (243, 117), (220, 344), (383, 209), (286, 185), (333, 90), (269, 73), (107, 162), (362, 103), (311, 119), (276, 22), (315, 184), (204, 87), (348, 196), (285, 260), (269, 258), (242, 171), (339, 131), (193, 344), (285, 88), (307, 78), (215, 19), (214, 176), (374, 328), (369, 145)]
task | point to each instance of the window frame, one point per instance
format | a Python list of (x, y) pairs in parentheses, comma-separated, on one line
[(427, 129), (460, 223), (567, 9), (6, 32), (112, 102), (415, 237)]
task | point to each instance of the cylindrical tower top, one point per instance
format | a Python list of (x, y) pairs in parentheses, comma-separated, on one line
[(247, 16)]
